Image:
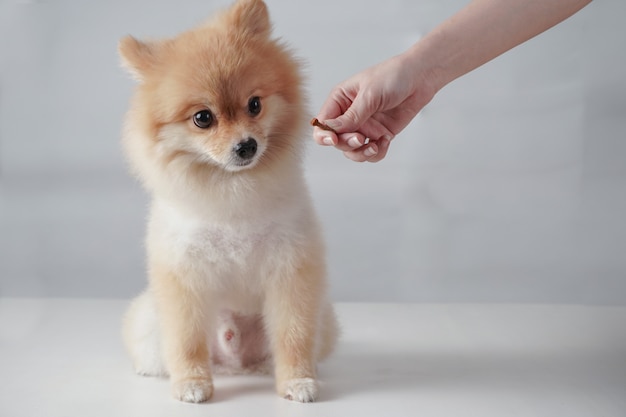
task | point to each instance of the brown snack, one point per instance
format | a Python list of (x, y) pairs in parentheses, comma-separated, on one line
[(315, 122)]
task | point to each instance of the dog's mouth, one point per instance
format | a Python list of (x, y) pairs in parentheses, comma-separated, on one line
[(244, 163), (239, 165)]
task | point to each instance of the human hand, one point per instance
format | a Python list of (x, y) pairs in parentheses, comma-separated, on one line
[(369, 109)]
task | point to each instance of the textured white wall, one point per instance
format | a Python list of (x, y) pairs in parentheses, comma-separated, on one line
[(510, 186)]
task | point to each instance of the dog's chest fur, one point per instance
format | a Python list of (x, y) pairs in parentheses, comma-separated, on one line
[(215, 244), (231, 254)]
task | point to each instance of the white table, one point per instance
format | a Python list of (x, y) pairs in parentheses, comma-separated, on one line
[(61, 357)]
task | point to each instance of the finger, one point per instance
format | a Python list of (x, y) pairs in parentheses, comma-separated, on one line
[(354, 117), (374, 151), (350, 141), (372, 128), (324, 137), (383, 148), (338, 101), (362, 154)]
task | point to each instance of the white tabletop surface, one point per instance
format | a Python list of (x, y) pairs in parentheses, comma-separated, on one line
[(62, 357)]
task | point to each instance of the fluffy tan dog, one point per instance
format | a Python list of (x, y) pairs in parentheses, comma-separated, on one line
[(216, 131)]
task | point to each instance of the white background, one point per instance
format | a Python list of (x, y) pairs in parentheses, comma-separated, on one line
[(509, 186)]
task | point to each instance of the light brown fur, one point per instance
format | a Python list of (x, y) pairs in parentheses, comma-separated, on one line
[(235, 257)]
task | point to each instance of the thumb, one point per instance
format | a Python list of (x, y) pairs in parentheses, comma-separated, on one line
[(354, 117)]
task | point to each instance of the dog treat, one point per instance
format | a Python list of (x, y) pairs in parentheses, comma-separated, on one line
[(315, 122)]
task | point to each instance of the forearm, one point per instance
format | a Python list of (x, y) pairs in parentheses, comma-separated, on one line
[(481, 31)]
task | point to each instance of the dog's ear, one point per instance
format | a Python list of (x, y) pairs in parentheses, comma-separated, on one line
[(251, 17), (138, 57)]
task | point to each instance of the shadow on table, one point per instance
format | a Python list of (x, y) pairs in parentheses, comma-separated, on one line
[(353, 371)]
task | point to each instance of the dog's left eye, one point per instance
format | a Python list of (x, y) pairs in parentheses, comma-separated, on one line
[(254, 106)]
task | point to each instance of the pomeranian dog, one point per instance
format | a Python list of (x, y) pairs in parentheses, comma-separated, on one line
[(215, 131)]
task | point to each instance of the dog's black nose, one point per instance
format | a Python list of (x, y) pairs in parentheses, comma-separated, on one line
[(246, 149)]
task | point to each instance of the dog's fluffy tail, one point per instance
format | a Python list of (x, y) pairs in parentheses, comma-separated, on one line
[(329, 332), (142, 338)]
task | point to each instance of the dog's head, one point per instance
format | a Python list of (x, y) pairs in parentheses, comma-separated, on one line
[(224, 94)]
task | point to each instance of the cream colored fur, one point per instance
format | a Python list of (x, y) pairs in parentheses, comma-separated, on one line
[(235, 256)]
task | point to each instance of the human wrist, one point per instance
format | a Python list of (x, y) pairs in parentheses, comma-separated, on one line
[(425, 74)]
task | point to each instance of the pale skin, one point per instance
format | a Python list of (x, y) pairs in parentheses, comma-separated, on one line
[(369, 109)]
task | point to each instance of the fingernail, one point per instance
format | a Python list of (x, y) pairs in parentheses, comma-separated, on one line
[(354, 142), (369, 152), (327, 140)]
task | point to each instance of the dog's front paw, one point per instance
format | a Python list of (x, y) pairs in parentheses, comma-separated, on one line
[(304, 390), (192, 390)]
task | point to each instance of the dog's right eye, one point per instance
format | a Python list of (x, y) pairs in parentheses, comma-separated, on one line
[(203, 119)]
